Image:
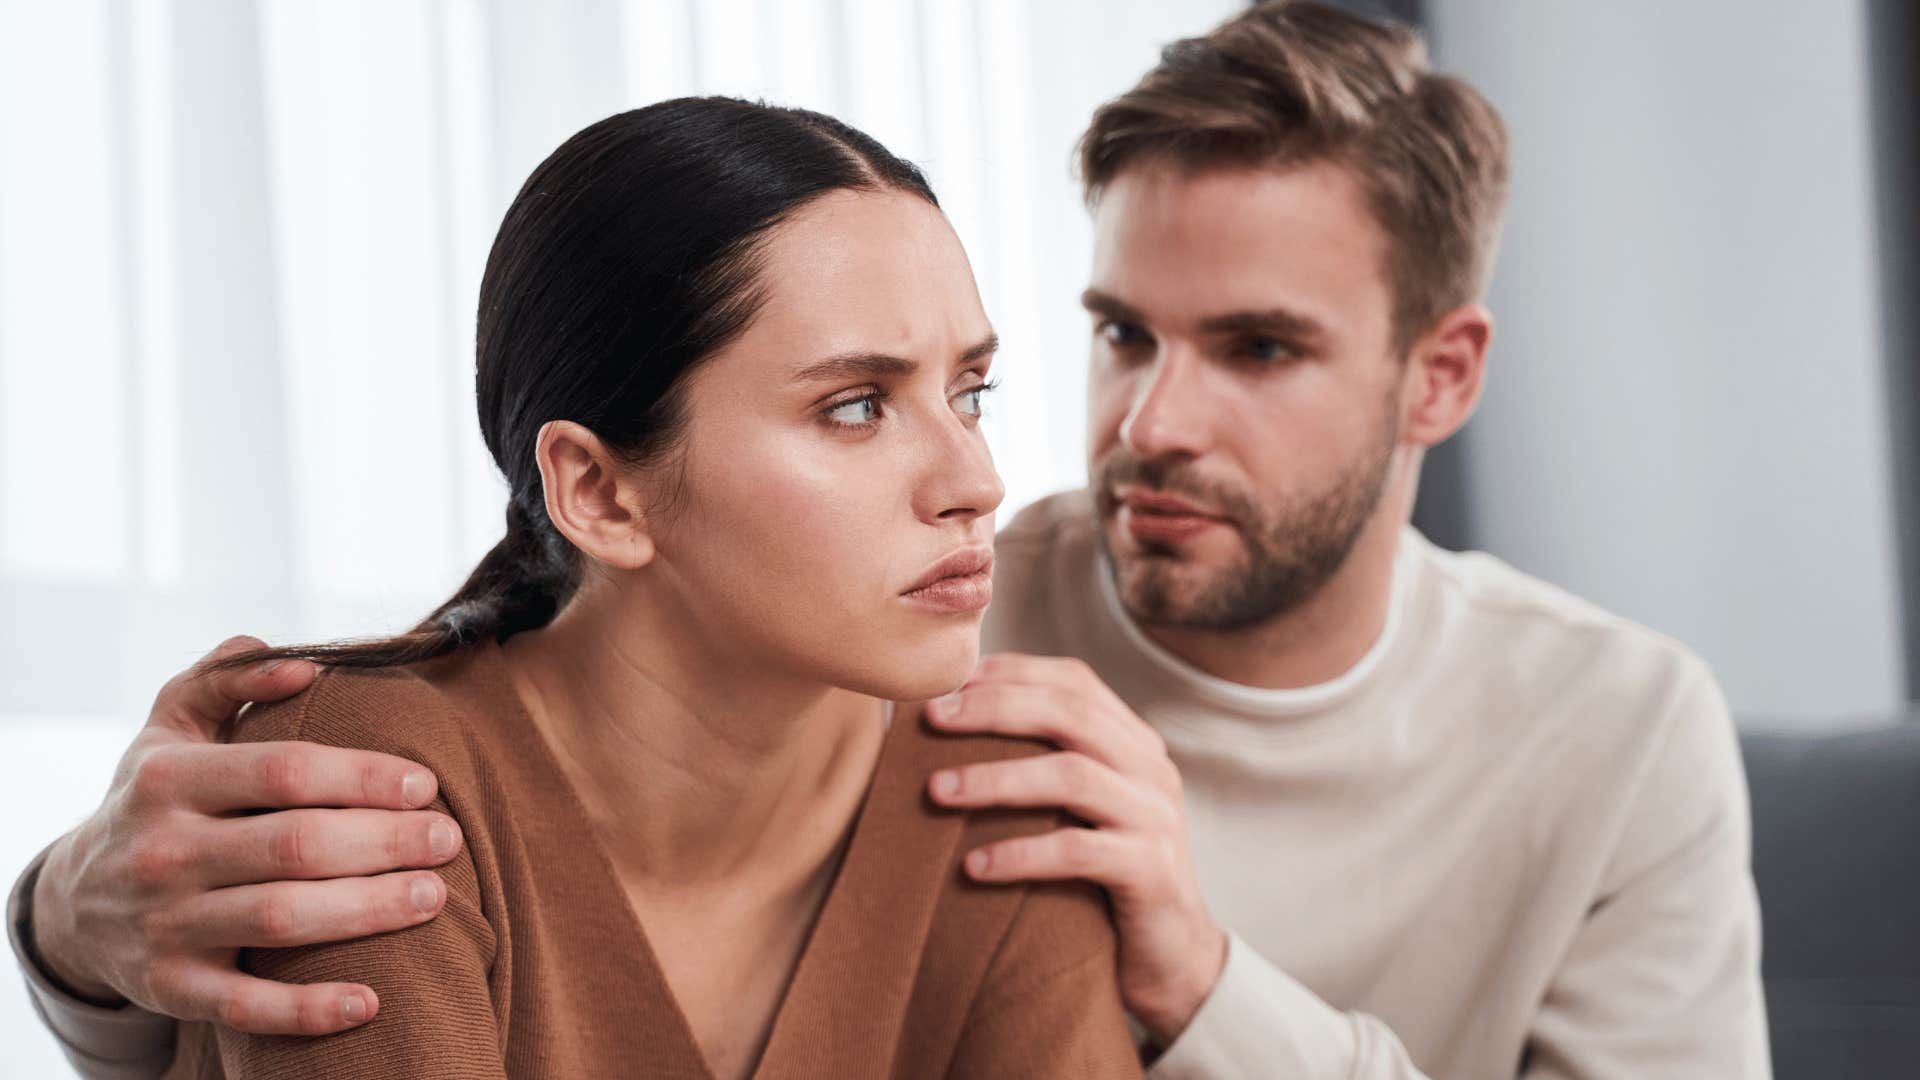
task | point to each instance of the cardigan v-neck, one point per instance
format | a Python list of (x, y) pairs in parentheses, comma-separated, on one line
[(539, 966)]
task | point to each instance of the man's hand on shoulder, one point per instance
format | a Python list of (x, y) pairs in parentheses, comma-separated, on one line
[(152, 897), (1111, 771)]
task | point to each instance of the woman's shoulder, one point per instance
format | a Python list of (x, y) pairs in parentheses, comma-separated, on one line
[(1055, 904), (1042, 950), (429, 712), (927, 747)]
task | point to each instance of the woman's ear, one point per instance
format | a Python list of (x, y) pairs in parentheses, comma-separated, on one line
[(594, 498), (1446, 368)]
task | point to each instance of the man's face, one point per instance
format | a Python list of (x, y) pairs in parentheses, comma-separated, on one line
[(1244, 391)]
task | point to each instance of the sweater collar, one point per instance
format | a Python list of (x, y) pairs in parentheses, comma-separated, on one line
[(1254, 702)]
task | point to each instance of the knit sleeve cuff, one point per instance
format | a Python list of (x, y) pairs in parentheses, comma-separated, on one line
[(1259, 1021), (103, 1042)]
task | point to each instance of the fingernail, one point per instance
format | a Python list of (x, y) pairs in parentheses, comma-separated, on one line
[(352, 1009), (425, 897), (977, 863), (441, 839), (268, 669), (946, 784), (943, 708), (416, 788)]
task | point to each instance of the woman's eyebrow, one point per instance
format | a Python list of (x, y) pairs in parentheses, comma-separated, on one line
[(881, 365), (850, 365), (986, 347)]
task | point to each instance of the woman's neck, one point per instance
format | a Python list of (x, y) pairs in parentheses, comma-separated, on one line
[(697, 768)]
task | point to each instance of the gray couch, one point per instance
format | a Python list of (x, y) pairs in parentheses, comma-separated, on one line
[(1836, 854)]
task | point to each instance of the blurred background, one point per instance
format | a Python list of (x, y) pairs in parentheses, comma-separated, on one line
[(241, 241)]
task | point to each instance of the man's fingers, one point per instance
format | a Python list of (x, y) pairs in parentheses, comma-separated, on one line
[(217, 993), (1064, 671), (281, 775), (1061, 855), (316, 844), (285, 914), (1070, 781), (197, 701), (1053, 713)]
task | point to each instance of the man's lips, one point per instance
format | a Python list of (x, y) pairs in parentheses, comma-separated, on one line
[(1164, 517), (960, 583)]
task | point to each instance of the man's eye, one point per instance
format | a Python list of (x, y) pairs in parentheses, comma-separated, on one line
[(1121, 335), (1268, 350), (857, 413)]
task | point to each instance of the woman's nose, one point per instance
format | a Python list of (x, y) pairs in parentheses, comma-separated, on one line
[(960, 481)]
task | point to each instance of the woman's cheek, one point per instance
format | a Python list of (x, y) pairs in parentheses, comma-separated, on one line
[(816, 515)]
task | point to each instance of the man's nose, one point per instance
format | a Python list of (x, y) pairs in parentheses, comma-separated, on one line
[(1171, 414)]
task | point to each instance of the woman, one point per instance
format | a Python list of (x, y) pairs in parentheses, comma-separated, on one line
[(731, 359)]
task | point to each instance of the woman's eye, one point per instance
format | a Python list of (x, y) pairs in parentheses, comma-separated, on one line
[(857, 413), (972, 401)]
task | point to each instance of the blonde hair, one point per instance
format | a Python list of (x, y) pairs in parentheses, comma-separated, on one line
[(1285, 84)]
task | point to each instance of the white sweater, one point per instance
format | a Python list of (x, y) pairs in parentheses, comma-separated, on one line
[(1511, 841)]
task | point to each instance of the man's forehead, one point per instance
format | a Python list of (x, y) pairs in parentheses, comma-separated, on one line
[(1321, 198), (1209, 243)]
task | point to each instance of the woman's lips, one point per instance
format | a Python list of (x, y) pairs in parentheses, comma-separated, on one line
[(958, 584), (958, 595)]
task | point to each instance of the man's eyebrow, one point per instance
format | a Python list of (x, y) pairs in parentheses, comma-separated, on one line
[(872, 365), (1280, 322), (1110, 306)]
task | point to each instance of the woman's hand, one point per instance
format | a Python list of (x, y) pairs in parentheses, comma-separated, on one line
[(1113, 772), (152, 897)]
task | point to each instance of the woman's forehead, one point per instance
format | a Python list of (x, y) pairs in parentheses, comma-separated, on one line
[(866, 272)]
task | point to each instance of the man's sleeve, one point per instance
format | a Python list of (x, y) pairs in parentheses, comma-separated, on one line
[(103, 1042), (1261, 1022), (1663, 979)]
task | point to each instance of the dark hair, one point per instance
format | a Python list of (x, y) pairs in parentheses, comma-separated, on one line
[(1287, 83), (628, 257)]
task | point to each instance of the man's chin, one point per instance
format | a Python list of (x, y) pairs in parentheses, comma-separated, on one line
[(1159, 590), (1215, 550)]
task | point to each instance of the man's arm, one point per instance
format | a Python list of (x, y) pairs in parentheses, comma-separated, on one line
[(1663, 979), (434, 1016), (1260, 1021), (140, 909), (1217, 1007), (102, 1042)]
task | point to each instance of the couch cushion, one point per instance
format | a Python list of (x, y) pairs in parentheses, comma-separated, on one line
[(1836, 834)]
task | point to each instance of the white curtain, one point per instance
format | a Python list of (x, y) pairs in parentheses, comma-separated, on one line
[(240, 245)]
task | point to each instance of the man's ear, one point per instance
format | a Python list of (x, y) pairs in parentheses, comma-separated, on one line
[(1445, 370), (594, 498)]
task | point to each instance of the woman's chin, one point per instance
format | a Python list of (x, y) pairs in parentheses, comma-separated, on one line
[(924, 672)]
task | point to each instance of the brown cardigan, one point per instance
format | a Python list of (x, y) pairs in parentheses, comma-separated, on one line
[(537, 966)]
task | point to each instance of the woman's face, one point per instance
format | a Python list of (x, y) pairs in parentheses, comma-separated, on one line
[(834, 465)]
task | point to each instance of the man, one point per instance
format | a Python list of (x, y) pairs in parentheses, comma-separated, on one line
[(1457, 822)]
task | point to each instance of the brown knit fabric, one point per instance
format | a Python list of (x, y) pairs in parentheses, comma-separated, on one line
[(537, 966)]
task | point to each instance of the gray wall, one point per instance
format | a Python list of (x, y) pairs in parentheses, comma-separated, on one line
[(1686, 412)]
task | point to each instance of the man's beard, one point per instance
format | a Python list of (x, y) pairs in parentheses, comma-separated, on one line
[(1291, 549)]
